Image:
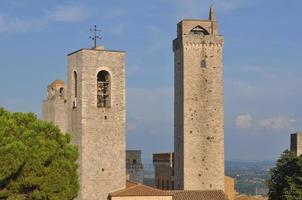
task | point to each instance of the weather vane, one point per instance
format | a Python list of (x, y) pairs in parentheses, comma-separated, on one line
[(95, 35)]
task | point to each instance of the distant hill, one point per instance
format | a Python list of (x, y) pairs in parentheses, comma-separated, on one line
[(249, 175)]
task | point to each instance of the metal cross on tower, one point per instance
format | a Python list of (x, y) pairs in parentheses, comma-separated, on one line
[(95, 35)]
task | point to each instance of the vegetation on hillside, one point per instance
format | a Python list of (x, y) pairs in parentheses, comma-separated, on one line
[(36, 159)]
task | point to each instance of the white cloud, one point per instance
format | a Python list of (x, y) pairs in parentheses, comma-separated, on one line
[(243, 121), (276, 123), (69, 13)]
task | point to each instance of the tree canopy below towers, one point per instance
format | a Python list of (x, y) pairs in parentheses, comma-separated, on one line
[(36, 159), (286, 180)]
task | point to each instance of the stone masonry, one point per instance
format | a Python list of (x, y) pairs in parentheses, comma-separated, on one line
[(55, 106), (198, 106), (99, 132), (296, 143)]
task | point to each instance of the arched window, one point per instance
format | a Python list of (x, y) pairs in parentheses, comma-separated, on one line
[(198, 30), (103, 89), (75, 87)]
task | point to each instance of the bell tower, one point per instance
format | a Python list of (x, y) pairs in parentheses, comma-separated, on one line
[(96, 110), (198, 106)]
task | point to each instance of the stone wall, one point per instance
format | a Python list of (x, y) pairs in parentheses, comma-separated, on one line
[(229, 187), (54, 108), (199, 115), (164, 171)]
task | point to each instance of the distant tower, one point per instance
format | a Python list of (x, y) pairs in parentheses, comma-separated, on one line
[(96, 107), (296, 143), (134, 166), (55, 106), (164, 170), (198, 106)]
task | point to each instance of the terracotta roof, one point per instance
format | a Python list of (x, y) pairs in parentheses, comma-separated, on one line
[(130, 184), (133, 189), (200, 195)]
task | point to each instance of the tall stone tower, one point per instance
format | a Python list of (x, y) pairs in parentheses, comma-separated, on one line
[(55, 106), (198, 106), (96, 107), (296, 143)]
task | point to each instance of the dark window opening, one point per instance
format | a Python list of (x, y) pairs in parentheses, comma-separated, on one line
[(203, 64), (103, 89), (75, 77), (61, 91), (134, 162), (198, 30)]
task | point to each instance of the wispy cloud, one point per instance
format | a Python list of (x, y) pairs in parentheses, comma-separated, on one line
[(243, 121), (63, 13), (69, 13), (276, 123), (15, 24), (271, 123)]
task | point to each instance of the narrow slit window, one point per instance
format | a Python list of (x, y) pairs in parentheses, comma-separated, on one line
[(103, 89), (75, 77)]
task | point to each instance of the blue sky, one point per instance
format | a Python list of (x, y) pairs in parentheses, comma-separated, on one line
[(262, 63)]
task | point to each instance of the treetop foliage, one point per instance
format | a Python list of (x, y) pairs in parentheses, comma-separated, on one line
[(36, 159)]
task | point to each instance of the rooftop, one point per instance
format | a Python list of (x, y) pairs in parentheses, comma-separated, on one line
[(135, 189)]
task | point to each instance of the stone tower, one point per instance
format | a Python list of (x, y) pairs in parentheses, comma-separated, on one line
[(296, 143), (134, 166), (96, 109), (198, 106), (55, 106)]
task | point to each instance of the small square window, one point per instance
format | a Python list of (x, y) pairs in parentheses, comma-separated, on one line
[(203, 64)]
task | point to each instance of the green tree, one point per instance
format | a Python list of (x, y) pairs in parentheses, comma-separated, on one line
[(286, 178), (37, 161)]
